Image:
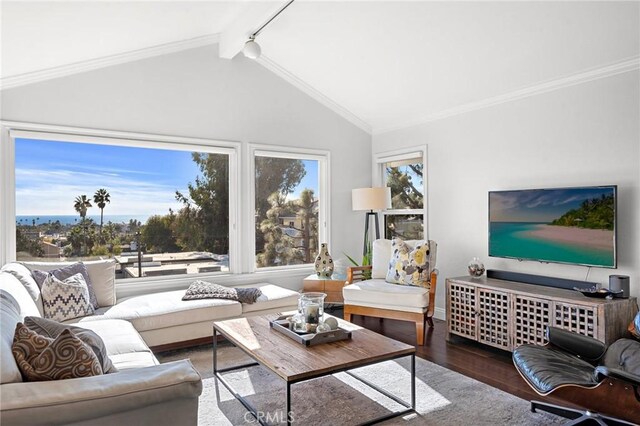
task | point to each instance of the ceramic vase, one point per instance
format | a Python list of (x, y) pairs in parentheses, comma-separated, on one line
[(324, 262)]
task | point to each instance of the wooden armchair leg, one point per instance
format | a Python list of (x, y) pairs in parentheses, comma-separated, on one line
[(430, 321), (347, 316), (420, 332)]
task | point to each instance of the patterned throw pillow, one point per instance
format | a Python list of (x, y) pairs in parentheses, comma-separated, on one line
[(204, 290), (53, 329), (409, 266), (65, 300), (66, 272), (41, 358)]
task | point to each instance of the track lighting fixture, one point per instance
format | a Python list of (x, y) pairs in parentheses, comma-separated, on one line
[(251, 47)]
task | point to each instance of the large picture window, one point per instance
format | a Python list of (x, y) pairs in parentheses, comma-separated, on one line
[(404, 174), (157, 209), (289, 206)]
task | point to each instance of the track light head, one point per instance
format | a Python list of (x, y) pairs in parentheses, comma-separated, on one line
[(251, 49)]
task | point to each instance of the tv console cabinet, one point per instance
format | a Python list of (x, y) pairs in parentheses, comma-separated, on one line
[(507, 314)]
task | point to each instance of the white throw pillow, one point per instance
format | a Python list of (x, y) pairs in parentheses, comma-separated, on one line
[(65, 300)]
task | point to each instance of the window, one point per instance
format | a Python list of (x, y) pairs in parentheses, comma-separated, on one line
[(290, 207), (157, 208), (404, 174)]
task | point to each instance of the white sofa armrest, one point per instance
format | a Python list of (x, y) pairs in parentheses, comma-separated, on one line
[(83, 399)]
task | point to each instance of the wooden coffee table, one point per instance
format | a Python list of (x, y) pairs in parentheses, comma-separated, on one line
[(295, 363)]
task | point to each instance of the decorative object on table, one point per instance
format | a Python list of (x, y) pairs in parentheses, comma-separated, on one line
[(370, 199), (475, 268), (297, 324), (599, 293), (323, 327), (312, 305), (309, 339), (324, 262), (331, 322), (619, 283)]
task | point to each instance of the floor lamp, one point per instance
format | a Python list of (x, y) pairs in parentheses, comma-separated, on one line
[(370, 199)]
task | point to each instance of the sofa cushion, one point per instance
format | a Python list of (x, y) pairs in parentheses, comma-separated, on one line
[(53, 329), (65, 272), (409, 265), (101, 273), (23, 275), (124, 345), (545, 369), (379, 293), (273, 297), (166, 309), (41, 358), (9, 318), (26, 304), (65, 300)]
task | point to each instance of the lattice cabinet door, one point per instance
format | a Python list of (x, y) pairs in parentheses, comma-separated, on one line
[(493, 319), (531, 316), (462, 309), (577, 318)]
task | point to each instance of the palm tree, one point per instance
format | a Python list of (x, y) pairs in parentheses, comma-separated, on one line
[(82, 203), (101, 198)]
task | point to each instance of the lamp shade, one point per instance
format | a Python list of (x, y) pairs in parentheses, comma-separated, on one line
[(371, 198)]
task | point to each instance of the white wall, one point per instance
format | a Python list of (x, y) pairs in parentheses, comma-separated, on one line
[(581, 135), (195, 94)]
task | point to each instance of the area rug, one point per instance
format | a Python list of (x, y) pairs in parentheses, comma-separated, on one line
[(443, 397)]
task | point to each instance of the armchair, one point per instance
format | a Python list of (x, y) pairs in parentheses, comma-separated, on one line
[(610, 375), (368, 294)]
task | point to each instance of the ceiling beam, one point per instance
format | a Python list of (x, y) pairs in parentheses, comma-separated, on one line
[(251, 17)]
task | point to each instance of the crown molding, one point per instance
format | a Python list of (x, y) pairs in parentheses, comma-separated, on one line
[(106, 61), (315, 94), (626, 65)]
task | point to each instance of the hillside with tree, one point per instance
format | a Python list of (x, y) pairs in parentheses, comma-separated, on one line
[(596, 213)]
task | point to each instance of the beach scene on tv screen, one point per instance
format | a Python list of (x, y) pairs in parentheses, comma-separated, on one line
[(573, 225)]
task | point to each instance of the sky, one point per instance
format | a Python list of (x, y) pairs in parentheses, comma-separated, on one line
[(141, 181), (539, 205)]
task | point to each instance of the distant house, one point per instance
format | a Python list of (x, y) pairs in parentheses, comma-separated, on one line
[(291, 222), (50, 250)]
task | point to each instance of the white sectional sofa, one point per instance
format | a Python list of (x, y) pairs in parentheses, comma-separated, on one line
[(142, 391), (164, 318)]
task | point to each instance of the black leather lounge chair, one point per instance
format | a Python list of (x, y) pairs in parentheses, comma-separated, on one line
[(570, 361)]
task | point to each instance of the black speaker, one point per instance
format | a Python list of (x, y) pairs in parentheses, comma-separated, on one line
[(619, 282)]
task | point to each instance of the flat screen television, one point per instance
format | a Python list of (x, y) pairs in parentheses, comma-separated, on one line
[(559, 225)]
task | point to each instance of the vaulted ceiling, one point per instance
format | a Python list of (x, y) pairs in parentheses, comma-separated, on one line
[(382, 64)]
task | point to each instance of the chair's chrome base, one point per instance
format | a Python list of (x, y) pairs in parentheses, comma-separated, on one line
[(576, 416)]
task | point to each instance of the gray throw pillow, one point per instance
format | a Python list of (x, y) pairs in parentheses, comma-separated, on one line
[(65, 272), (204, 290), (53, 329)]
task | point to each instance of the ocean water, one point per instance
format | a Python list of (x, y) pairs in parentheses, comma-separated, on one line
[(72, 219), (509, 239)]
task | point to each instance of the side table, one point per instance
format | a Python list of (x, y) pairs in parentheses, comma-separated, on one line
[(331, 286)]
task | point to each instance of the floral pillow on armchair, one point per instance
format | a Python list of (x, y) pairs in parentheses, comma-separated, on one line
[(409, 266)]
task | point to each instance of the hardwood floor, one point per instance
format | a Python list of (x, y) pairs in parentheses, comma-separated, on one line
[(483, 363)]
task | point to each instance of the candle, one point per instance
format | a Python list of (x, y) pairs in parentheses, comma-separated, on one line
[(312, 313)]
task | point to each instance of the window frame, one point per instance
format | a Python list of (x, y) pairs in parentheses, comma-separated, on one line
[(10, 131), (379, 160), (324, 198)]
